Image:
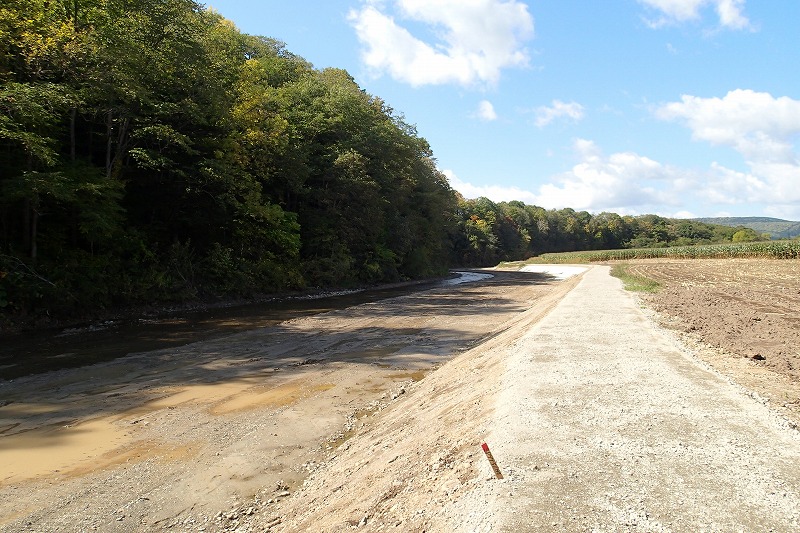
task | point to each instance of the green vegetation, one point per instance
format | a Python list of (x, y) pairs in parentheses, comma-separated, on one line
[(508, 231), (776, 228), (763, 250), (151, 152), (634, 282)]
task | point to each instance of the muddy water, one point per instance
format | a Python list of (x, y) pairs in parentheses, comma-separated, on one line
[(42, 351)]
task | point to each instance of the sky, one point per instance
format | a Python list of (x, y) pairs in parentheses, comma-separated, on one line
[(682, 108)]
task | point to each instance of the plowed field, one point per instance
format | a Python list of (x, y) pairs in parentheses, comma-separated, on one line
[(746, 313)]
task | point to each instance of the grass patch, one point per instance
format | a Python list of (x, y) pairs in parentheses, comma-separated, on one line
[(633, 282)]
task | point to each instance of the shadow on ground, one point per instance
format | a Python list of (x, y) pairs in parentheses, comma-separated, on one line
[(414, 331)]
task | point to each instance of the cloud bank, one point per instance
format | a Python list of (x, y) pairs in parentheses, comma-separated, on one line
[(474, 39), (625, 183), (763, 129), (730, 12)]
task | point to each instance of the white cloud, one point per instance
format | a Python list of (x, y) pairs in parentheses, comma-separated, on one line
[(678, 10), (545, 115), (623, 182), (787, 212), (756, 124), (476, 39), (762, 128), (496, 193), (727, 186), (730, 12), (628, 183), (486, 111)]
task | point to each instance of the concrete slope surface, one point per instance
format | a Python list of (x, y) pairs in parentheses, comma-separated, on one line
[(605, 423)]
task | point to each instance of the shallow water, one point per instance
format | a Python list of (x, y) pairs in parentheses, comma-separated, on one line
[(42, 351)]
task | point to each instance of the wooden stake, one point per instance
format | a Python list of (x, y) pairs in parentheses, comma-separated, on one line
[(492, 462)]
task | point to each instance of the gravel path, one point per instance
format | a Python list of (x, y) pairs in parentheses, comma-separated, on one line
[(599, 419), (605, 423)]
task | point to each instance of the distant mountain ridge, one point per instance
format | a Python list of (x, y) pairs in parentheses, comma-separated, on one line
[(776, 227)]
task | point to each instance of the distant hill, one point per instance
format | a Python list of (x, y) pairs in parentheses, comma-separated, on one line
[(776, 227)]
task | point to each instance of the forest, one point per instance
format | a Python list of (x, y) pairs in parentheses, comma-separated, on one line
[(151, 152)]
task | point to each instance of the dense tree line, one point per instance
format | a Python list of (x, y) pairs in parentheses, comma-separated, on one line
[(150, 151), (490, 232)]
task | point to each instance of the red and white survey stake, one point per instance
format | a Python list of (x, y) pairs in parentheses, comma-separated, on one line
[(492, 462)]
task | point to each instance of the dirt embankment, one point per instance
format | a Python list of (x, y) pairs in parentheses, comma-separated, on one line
[(214, 435), (599, 420)]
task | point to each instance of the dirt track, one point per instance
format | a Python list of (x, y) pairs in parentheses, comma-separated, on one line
[(213, 434), (599, 419), (740, 316)]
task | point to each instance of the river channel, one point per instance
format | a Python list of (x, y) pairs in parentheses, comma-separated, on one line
[(43, 351)]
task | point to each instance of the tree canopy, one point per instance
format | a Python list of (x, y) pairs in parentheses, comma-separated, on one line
[(150, 151), (490, 232)]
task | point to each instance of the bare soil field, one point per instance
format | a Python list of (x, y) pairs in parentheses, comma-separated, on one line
[(742, 316), (213, 435), (371, 418)]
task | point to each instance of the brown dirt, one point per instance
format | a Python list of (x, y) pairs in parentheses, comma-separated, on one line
[(600, 421), (742, 316), (215, 434), (597, 418)]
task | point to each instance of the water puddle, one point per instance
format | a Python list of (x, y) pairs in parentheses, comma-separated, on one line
[(416, 375), (53, 449), (75, 448), (468, 277)]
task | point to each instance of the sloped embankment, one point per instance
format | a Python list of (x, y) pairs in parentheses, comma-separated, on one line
[(419, 465)]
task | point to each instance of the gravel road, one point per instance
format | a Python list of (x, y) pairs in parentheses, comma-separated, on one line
[(600, 420), (606, 423)]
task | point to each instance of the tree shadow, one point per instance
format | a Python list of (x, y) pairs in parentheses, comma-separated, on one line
[(420, 330)]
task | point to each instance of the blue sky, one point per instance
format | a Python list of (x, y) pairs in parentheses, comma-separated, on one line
[(677, 107)]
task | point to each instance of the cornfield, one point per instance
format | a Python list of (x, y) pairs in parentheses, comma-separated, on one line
[(763, 250)]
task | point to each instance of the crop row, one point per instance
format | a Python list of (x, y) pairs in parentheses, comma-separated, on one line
[(764, 250)]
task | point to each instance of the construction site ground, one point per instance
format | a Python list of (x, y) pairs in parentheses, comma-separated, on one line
[(605, 411)]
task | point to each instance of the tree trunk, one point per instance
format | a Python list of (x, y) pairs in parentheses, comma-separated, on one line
[(73, 114), (109, 141), (34, 228), (122, 147), (26, 224)]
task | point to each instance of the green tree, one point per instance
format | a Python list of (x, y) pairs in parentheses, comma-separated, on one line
[(745, 235)]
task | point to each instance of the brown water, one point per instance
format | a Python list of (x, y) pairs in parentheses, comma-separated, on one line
[(42, 351)]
